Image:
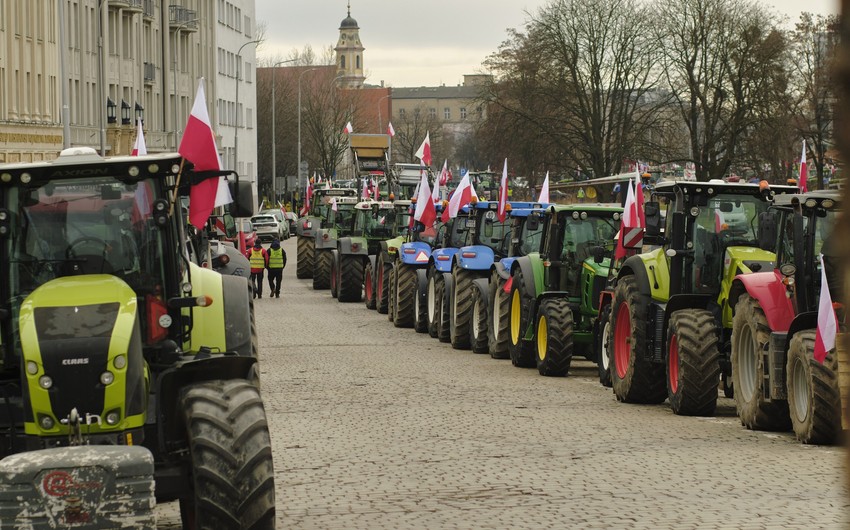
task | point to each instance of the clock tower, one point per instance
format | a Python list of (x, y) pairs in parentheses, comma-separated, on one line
[(349, 53)]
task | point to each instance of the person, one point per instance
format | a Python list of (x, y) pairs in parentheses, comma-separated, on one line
[(277, 261), (259, 259), (580, 195), (615, 192)]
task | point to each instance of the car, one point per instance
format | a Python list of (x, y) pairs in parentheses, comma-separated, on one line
[(287, 228), (292, 221), (267, 227)]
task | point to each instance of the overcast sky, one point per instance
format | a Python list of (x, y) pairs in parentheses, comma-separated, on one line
[(403, 51)]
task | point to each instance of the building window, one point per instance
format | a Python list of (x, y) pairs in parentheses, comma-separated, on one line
[(342, 61), (432, 113), (447, 113), (357, 61), (463, 113)]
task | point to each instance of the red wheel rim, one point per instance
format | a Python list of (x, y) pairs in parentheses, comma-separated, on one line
[(369, 286), (623, 340), (673, 364)]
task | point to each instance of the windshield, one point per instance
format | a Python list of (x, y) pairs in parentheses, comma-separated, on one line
[(491, 232), (529, 240), (580, 236)]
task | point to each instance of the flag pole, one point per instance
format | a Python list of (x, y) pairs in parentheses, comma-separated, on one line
[(176, 187)]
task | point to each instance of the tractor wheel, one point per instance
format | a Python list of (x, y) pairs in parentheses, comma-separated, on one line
[(369, 285), (334, 274), (444, 308), (750, 335), (434, 299), (521, 351), (602, 340), (813, 397), (554, 337), (350, 278), (391, 300), (382, 286), (460, 309), (478, 325), (633, 378), (305, 257), (232, 474), (405, 296), (322, 274), (693, 362), (420, 309), (498, 329)]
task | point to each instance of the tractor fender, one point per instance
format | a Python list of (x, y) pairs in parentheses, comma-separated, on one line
[(236, 294), (503, 267), (524, 264), (448, 287), (475, 257), (483, 285), (443, 258), (385, 253), (346, 246), (634, 266), (373, 259), (415, 253), (606, 297), (803, 321), (325, 239), (767, 288), (422, 286), (306, 227)]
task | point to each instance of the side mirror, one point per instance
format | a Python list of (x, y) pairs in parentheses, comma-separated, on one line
[(767, 231), (598, 254), (243, 198), (488, 229), (652, 212), (533, 222)]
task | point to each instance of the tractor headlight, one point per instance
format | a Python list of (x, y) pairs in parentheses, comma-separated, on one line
[(32, 367), (120, 362), (45, 381), (113, 417), (107, 378), (46, 422), (694, 211)]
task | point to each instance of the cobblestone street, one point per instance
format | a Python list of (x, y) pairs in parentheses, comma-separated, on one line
[(378, 427)]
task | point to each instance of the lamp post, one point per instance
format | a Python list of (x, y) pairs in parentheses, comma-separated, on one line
[(299, 118), (236, 132), (274, 127), (101, 80), (176, 99)]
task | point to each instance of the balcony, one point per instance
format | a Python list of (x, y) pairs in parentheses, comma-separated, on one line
[(150, 73), (183, 18), (127, 5), (149, 11)]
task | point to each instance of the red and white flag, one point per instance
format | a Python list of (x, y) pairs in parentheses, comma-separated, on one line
[(390, 129), (827, 323), (425, 212), (626, 221), (444, 173), (198, 147), (460, 198), (502, 210), (376, 193), (348, 129), (334, 207), (424, 152), (640, 216), (544, 190), (804, 174), (140, 148), (308, 196)]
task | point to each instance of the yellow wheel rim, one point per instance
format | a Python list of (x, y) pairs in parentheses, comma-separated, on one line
[(516, 309), (542, 338)]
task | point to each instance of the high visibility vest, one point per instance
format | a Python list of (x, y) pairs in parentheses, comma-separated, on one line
[(258, 261), (275, 258)]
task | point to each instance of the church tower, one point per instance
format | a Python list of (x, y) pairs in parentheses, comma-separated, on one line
[(349, 53)]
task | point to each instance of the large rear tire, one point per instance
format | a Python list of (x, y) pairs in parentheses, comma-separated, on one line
[(499, 321), (434, 298), (391, 301), (231, 457), (603, 339), (522, 352), (813, 397), (304, 268), (322, 274), (350, 278), (382, 287), (478, 323), (750, 335), (405, 296), (369, 285), (443, 331), (693, 362), (461, 309), (554, 336), (334, 274), (420, 309), (633, 378)]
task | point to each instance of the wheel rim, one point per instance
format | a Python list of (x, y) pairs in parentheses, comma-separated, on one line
[(673, 364), (368, 282), (476, 314), (516, 310), (747, 364), (542, 338), (432, 293), (497, 314), (416, 305), (604, 351), (623, 340), (379, 292), (800, 395)]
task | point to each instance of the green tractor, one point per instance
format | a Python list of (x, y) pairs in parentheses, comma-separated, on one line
[(671, 318), (338, 222), (378, 275), (112, 333), (309, 224), (554, 294)]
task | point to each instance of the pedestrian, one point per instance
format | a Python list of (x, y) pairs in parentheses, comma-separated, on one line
[(580, 195), (259, 259), (615, 192), (277, 261)]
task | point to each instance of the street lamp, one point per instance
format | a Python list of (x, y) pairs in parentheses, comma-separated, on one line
[(274, 127), (236, 133), (380, 120), (299, 118), (101, 79), (176, 99)]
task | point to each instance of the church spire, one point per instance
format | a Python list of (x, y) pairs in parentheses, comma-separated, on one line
[(349, 52)]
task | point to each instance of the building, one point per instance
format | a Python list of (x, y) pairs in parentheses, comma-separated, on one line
[(349, 53), (146, 66)]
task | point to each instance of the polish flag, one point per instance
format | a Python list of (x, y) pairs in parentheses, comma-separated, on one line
[(626, 221), (804, 176), (334, 207), (140, 148), (390, 129), (375, 191), (348, 129), (827, 323), (460, 198), (308, 195), (444, 173), (435, 193), (544, 190), (503, 195), (198, 147), (424, 152), (641, 217), (425, 212)]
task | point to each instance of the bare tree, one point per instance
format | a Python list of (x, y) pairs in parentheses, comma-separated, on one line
[(326, 110), (411, 128)]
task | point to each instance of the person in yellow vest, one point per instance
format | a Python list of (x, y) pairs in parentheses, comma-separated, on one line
[(580, 195), (259, 259), (277, 261)]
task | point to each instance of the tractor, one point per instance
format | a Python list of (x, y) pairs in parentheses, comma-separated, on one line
[(554, 294), (776, 380), (671, 318), (378, 270), (338, 222), (112, 334), (309, 224)]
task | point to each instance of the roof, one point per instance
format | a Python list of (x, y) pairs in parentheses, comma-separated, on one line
[(819, 195), (367, 205), (717, 186), (437, 92), (588, 207)]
